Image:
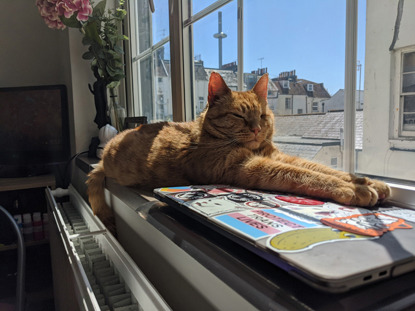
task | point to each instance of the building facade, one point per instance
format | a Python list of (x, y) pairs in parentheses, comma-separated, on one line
[(299, 96)]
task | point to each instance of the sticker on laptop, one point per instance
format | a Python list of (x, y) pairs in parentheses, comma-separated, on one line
[(175, 189), (406, 214), (304, 239), (298, 200), (372, 224), (260, 223), (212, 206), (327, 210), (190, 195)]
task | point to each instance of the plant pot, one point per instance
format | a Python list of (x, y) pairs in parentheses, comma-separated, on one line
[(101, 103)]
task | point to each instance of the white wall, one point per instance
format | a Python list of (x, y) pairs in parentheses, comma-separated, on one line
[(378, 158), (33, 54), (83, 100)]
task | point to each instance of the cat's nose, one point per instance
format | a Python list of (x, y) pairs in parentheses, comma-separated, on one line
[(256, 130)]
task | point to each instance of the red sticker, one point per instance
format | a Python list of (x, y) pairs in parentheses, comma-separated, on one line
[(372, 224), (298, 200)]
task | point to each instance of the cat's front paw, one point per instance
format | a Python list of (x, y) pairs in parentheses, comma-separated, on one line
[(365, 196), (356, 194), (383, 190)]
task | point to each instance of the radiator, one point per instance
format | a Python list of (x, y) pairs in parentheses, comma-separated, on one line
[(104, 275)]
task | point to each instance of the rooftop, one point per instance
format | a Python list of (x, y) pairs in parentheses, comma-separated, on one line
[(315, 129)]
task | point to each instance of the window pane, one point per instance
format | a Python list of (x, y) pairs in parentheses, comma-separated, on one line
[(409, 62), (155, 86), (301, 44), (408, 83), (145, 83), (162, 84), (142, 18), (409, 122), (160, 20), (409, 104), (198, 5), (409, 113), (151, 61), (215, 48)]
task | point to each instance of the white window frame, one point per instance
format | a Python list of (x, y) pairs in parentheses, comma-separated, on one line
[(399, 133), (286, 84), (288, 103)]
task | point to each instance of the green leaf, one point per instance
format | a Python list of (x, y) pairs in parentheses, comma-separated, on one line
[(91, 31), (71, 22), (87, 40), (113, 84), (118, 49), (88, 55), (99, 9)]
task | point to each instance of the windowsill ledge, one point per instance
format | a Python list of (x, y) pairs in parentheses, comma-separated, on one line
[(402, 145)]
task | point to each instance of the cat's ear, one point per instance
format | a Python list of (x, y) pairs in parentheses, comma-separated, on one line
[(217, 87), (261, 87)]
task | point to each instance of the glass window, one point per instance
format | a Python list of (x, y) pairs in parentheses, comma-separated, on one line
[(151, 81), (287, 103), (214, 47), (408, 92)]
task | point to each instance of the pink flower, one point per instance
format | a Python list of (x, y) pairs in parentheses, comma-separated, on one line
[(84, 10), (47, 9), (68, 7)]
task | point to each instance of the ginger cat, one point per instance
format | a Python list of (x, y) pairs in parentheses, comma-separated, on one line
[(229, 143)]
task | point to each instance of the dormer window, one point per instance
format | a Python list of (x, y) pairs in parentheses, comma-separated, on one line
[(310, 87), (286, 84)]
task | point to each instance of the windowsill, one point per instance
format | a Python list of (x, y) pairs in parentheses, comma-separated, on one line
[(403, 195), (251, 277), (402, 145)]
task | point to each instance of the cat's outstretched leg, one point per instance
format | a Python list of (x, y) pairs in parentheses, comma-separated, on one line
[(268, 174), (382, 189), (96, 196)]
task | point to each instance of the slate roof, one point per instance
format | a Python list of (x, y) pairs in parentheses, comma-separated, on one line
[(337, 100), (299, 87), (304, 151), (229, 76), (315, 127)]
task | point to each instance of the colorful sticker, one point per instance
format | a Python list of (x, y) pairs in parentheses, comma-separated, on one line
[(175, 189), (190, 195), (244, 197), (214, 206), (298, 200), (304, 239), (372, 224), (224, 190), (257, 224), (263, 204), (327, 210)]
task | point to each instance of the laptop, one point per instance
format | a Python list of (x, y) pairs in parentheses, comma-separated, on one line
[(329, 246)]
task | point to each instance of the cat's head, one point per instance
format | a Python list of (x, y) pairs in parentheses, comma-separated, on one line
[(243, 117)]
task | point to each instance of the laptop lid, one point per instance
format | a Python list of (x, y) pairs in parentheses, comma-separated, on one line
[(329, 246)]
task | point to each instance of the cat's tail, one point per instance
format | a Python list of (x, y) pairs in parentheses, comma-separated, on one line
[(96, 196)]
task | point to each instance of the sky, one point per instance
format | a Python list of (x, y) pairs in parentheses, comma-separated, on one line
[(283, 35)]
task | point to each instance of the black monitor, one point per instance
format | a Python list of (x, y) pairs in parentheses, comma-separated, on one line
[(34, 130)]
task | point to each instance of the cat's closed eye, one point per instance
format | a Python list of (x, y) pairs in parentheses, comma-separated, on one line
[(238, 115)]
